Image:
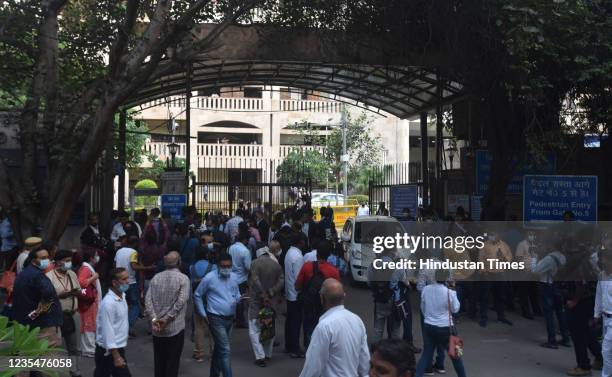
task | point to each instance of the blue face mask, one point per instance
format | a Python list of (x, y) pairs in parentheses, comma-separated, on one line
[(225, 272), (43, 264), (124, 287), (67, 266), (211, 246)]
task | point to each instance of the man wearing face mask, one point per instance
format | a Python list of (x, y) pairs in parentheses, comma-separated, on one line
[(67, 287), (492, 279), (35, 302), (112, 328), (527, 290), (215, 299)]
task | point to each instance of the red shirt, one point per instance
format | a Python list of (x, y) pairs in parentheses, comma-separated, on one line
[(325, 269)]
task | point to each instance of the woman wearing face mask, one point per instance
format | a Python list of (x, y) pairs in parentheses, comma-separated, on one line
[(35, 302), (67, 287), (89, 301)]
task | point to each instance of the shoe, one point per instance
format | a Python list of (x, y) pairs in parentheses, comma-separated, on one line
[(297, 355), (439, 369), (578, 372), (276, 343), (504, 321), (597, 364), (88, 355), (429, 372), (415, 349), (268, 358), (552, 346), (566, 343), (260, 363), (198, 359)]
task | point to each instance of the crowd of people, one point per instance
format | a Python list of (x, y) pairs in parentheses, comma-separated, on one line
[(210, 273)]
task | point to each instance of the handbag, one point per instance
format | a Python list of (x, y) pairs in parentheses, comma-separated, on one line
[(8, 278), (68, 326), (455, 343)]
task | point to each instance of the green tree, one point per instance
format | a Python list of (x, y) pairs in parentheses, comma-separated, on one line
[(158, 166), (363, 145), (301, 165), (146, 200), (68, 67)]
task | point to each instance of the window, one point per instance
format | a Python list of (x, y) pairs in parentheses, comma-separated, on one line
[(253, 92)]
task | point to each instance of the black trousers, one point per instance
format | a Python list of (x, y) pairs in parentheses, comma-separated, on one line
[(105, 366), (242, 307), (582, 335), (529, 300), (167, 354), (310, 318), (293, 325)]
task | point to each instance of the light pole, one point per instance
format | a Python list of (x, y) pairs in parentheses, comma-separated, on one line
[(173, 148), (451, 155), (344, 157)]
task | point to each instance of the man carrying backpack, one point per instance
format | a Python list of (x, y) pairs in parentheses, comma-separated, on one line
[(308, 284), (384, 284)]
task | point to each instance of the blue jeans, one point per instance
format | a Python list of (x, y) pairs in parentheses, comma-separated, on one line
[(133, 299), (435, 336), (552, 303), (440, 351), (221, 331)]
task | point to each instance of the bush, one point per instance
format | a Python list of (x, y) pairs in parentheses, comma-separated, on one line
[(359, 198), (142, 201)]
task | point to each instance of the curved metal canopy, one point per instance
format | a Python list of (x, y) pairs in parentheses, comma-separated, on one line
[(397, 90)]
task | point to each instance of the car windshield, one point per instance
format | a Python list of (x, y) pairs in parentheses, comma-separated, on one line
[(365, 231)]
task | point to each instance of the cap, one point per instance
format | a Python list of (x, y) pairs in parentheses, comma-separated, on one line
[(33, 241)]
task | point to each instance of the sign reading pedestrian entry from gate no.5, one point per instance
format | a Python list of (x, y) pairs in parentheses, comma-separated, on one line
[(547, 197), (483, 171), (403, 196), (173, 204)]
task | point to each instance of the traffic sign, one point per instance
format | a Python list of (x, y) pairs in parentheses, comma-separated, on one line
[(483, 171), (404, 196), (547, 197), (173, 204)]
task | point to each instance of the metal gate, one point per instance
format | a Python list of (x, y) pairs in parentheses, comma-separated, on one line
[(226, 197)]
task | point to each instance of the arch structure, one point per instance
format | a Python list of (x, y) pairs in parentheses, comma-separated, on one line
[(360, 70)]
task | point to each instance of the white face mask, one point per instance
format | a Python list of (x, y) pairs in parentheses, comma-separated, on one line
[(96, 259)]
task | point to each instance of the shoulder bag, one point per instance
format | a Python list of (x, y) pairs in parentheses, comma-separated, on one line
[(455, 343)]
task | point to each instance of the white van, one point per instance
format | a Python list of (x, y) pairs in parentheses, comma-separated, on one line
[(357, 239), (322, 199)]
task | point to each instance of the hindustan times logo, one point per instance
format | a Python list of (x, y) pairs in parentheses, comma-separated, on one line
[(413, 243)]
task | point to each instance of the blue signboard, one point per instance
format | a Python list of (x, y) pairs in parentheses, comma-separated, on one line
[(546, 197), (483, 171), (173, 204), (404, 196)]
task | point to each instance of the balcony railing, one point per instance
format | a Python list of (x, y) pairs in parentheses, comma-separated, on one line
[(310, 106), (160, 149), (246, 104), (285, 149)]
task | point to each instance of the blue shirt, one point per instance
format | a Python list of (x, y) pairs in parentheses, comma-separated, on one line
[(31, 287), (188, 247), (199, 268), (337, 262), (216, 295), (6, 236), (241, 261)]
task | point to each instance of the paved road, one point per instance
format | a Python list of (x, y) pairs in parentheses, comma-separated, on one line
[(499, 350)]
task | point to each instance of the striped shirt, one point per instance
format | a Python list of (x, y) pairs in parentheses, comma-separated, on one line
[(167, 299)]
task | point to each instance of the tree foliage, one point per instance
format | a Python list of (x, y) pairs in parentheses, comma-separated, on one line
[(302, 165)]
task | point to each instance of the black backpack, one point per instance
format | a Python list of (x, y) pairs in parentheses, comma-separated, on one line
[(310, 295)]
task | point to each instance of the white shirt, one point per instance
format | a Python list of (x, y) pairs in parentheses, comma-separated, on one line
[(603, 298), (123, 258), (311, 256), (20, 260), (338, 347), (363, 211), (231, 227), (112, 322), (118, 231), (434, 304), (293, 264)]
